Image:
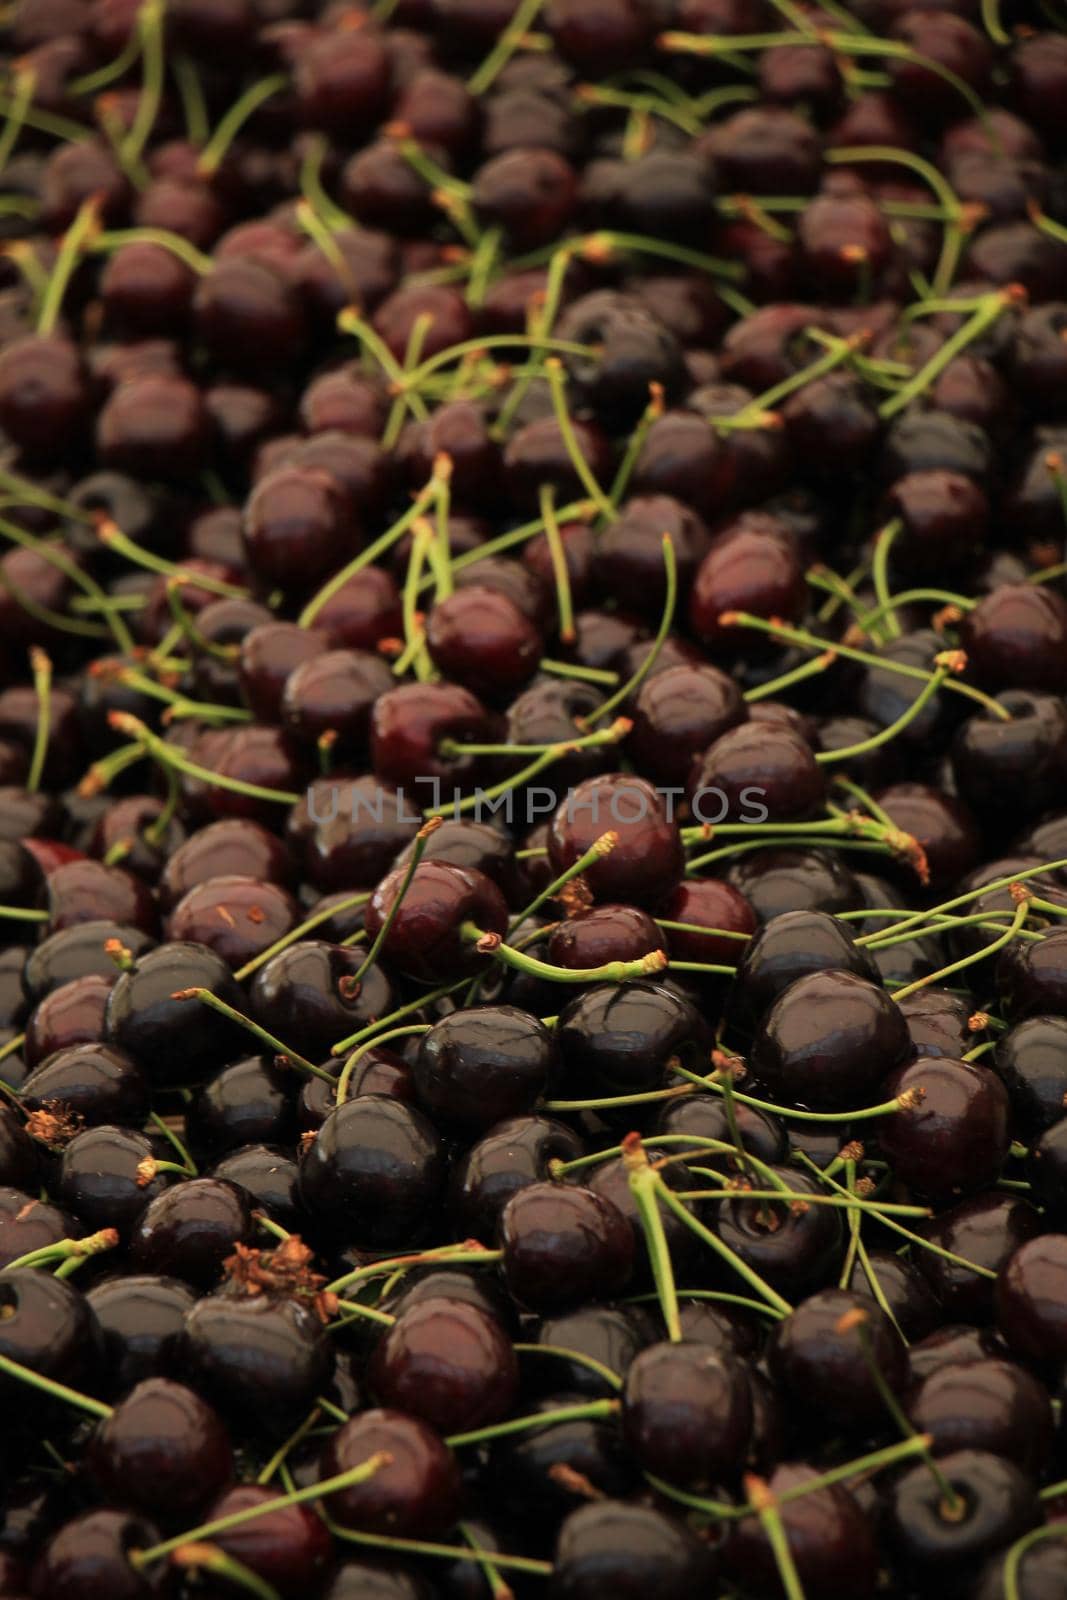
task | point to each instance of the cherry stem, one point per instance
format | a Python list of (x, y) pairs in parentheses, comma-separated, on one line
[(349, 903), (635, 443), (598, 850), (897, 1227), (612, 1379), (290, 1444), (716, 1295), (765, 1505), (274, 1044), (551, 754), (169, 755), (571, 669), (644, 1186), (1014, 1557), (787, 680), (539, 1419), (57, 1391), (467, 1253), (24, 84), (509, 41), (422, 839), (372, 1044), (889, 733), (953, 209), (210, 1558), (188, 1164), (111, 535), (67, 1249), (75, 240), (373, 551), (867, 658), (41, 666), (1021, 913), (583, 471), (237, 1519), (444, 1552), (902, 1102), (752, 1278), (374, 1030), (23, 914), (628, 689), (558, 557), (698, 927), (883, 543), (356, 1310), (214, 151), (990, 307), (150, 33), (491, 944)]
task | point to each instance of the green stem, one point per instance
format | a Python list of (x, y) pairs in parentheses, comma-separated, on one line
[(990, 308), (883, 543), (349, 903), (670, 600), (582, 469), (372, 1044), (887, 734), (215, 150), (376, 1029), (371, 554), (540, 1419), (75, 239), (274, 1044), (491, 944), (150, 33), (24, 84), (56, 1391), (474, 801), (612, 1379), (237, 1519), (1021, 912), (170, 756), (597, 851), (765, 1506), (644, 1184), (558, 557), (42, 683)]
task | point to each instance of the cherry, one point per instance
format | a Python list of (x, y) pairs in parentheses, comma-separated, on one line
[(260, 1359), (95, 1082), (1015, 638), (629, 1547), (648, 856), (341, 80), (107, 1177), (1031, 982), (190, 1229), (410, 723), (373, 1580), (480, 845), (1039, 1574), (162, 1452), (177, 1041), (795, 1251), (610, 1335), (989, 1405), (237, 846), (350, 830), (755, 772), (478, 637), (1028, 1058), (829, 1040), (752, 565), (789, 947), (297, 525), (248, 1102), (141, 1318), (414, 1494), (510, 1156), (154, 427), (956, 1136), (562, 1245), (764, 150), (44, 394), (536, 454), (943, 828), (85, 891), (984, 1230), (88, 1559), (687, 1413), (620, 1038), (375, 1169), (308, 992), (72, 1014), (47, 1326), (333, 693), (825, 1369), (830, 1539), (984, 758), (999, 1503), (287, 1548), (483, 1064), (679, 713), (530, 193), (424, 938), (601, 934), (447, 319), (27, 1225), (234, 916), (448, 1363), (1029, 1300), (903, 1289), (268, 654)]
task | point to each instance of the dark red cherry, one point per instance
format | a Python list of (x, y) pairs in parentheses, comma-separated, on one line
[(619, 1038), (830, 1539), (752, 565), (425, 938), (409, 725), (794, 1250), (260, 1359), (987, 752), (603, 933), (1033, 980), (823, 1366), (248, 316), (44, 394), (1029, 1060), (250, 1101), (414, 1494), (942, 827), (790, 947), (298, 526), (308, 992), (947, 41), (1016, 638), (563, 1245), (648, 856), (189, 1230), (446, 313), (830, 1040), (682, 456), (1030, 1300), (901, 1287), (234, 845), (989, 1405), (162, 1452), (448, 1363), (48, 1327), (483, 1064), (88, 1559), (529, 193), (687, 1413), (956, 1136), (1000, 1503), (86, 891), (755, 772), (174, 1041), (535, 454), (94, 1082), (140, 1318), (480, 638), (764, 150), (678, 714), (236, 917), (629, 556), (341, 80), (27, 1225), (154, 427), (602, 36), (375, 1171), (333, 693), (350, 830), (509, 1157), (107, 1176), (72, 1014), (983, 1230), (1040, 1574)]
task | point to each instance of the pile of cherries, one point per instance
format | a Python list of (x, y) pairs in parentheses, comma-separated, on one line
[(533, 800)]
